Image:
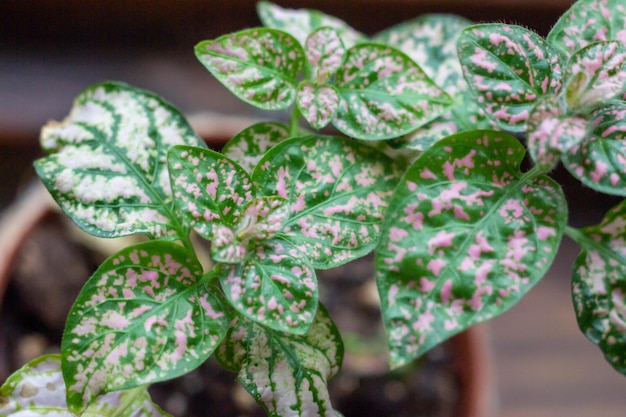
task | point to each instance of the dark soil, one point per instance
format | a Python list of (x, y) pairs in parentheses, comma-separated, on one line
[(51, 268)]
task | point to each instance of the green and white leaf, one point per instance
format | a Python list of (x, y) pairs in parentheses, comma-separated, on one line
[(248, 146), (599, 161), (286, 374), (318, 103), (466, 237), (300, 23), (106, 165), (325, 53), (37, 389), (274, 286), (508, 68), (144, 316), (338, 190), (599, 285), (589, 21), (595, 74), (208, 188), (260, 66), (551, 133), (384, 94)]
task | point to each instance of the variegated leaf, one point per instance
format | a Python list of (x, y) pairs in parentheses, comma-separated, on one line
[(37, 389), (144, 316), (318, 103), (384, 94), (599, 161), (595, 74), (430, 40), (302, 22), (259, 66), (550, 133), (338, 190), (325, 53), (107, 167), (208, 188), (466, 237), (507, 68), (274, 286), (286, 374), (249, 145), (589, 21), (599, 285)]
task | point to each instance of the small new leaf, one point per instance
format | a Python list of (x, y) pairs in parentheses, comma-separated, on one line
[(325, 53), (38, 389), (317, 103), (248, 146)]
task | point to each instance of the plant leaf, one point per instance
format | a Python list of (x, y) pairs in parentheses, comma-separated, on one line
[(249, 145), (274, 286), (384, 94), (599, 286), (302, 22), (317, 103), (595, 74), (466, 237), (208, 188), (507, 68), (550, 133), (107, 167), (338, 190), (606, 170), (286, 374), (325, 53), (259, 66), (588, 21), (144, 316), (38, 389)]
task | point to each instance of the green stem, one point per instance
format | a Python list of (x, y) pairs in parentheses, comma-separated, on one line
[(294, 126), (575, 234)]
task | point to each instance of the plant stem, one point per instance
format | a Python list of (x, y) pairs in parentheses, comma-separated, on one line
[(575, 234), (295, 118)]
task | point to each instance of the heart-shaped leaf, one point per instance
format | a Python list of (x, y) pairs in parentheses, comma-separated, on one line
[(325, 53), (507, 68), (338, 190), (589, 21), (286, 374), (317, 103), (259, 66), (37, 389), (144, 316), (274, 286), (595, 74), (107, 167), (208, 188), (550, 133), (466, 237), (302, 22), (599, 285), (605, 171), (249, 145), (384, 94)]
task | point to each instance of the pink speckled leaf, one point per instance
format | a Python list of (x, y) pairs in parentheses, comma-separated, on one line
[(249, 145), (507, 68), (317, 103), (384, 94), (589, 21), (259, 66), (208, 188), (302, 22), (595, 74), (274, 286), (599, 285), (550, 133), (466, 236), (325, 53), (338, 190), (599, 161), (286, 374), (107, 168), (144, 316), (37, 389)]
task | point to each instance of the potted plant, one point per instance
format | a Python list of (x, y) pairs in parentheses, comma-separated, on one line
[(424, 171)]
